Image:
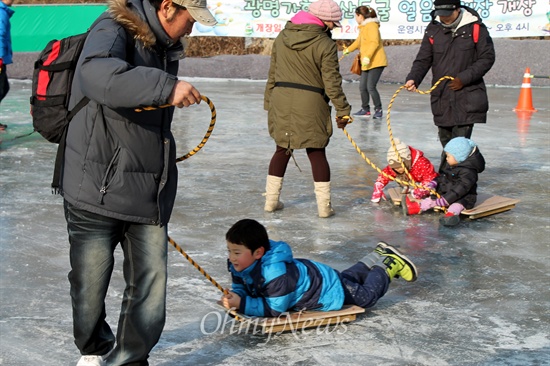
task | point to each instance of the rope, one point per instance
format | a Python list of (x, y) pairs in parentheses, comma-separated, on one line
[(182, 158), (208, 132), (203, 272), (411, 183)]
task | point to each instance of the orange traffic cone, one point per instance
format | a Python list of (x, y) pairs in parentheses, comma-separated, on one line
[(525, 102)]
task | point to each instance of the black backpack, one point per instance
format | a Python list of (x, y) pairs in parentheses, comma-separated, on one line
[(51, 91), (52, 80), (51, 86)]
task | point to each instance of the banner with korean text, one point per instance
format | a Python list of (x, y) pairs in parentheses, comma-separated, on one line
[(400, 19)]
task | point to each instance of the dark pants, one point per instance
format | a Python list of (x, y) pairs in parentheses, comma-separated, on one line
[(317, 158), (93, 239), (446, 134), (364, 286), (367, 88), (4, 85)]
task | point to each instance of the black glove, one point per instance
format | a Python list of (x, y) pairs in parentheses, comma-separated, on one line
[(456, 84), (342, 122)]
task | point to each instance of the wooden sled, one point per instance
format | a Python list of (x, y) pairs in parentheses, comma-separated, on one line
[(486, 204), (297, 321)]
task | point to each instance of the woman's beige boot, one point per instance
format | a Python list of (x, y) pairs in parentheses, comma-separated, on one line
[(322, 193), (273, 187)]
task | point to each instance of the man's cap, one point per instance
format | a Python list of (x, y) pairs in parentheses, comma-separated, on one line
[(444, 8), (326, 10), (198, 10)]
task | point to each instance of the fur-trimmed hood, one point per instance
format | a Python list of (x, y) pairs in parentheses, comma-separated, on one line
[(132, 20)]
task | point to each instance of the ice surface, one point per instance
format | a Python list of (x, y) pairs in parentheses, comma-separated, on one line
[(482, 296)]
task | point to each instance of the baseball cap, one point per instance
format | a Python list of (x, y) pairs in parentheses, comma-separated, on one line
[(444, 8), (198, 10)]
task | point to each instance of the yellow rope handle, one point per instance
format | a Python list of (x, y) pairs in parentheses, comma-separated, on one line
[(208, 131), (411, 183)]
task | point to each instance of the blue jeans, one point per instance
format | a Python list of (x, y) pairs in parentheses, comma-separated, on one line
[(93, 239), (364, 286), (367, 88)]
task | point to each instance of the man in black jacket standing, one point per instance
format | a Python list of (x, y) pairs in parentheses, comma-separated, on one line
[(457, 44), (119, 175)]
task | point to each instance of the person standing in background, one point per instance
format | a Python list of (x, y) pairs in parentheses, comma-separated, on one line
[(373, 59), (457, 44), (304, 76), (6, 53)]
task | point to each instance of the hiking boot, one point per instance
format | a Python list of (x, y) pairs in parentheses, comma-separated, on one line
[(362, 113), (409, 207), (377, 113), (396, 264), (449, 219)]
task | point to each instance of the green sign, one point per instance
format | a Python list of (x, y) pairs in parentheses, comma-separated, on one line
[(33, 26)]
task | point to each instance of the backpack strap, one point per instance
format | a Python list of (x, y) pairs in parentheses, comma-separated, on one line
[(56, 181)]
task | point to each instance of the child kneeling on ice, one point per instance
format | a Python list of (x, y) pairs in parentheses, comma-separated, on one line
[(457, 182), (268, 281), (419, 167)]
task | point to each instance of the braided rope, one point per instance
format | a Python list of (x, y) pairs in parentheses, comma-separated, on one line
[(411, 183), (208, 131), (204, 273)]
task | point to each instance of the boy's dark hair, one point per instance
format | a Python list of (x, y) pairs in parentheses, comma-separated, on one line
[(249, 233)]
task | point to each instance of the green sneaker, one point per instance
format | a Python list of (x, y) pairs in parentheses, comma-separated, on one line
[(397, 264)]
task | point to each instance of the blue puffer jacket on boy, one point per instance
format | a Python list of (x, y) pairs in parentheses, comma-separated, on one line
[(277, 283)]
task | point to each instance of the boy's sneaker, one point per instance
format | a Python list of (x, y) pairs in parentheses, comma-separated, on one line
[(397, 264), (408, 206), (362, 113), (377, 114), (91, 360), (449, 219), (390, 259)]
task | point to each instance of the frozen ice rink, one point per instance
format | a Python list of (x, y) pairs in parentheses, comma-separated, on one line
[(483, 293)]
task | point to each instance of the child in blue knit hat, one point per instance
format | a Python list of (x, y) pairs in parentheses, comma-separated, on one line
[(456, 184)]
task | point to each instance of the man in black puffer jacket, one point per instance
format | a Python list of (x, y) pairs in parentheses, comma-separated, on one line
[(119, 175), (457, 44)]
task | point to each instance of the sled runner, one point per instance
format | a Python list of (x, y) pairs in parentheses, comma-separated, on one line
[(486, 204), (297, 321)]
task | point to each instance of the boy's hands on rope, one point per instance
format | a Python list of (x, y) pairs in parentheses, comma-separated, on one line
[(231, 300), (343, 121)]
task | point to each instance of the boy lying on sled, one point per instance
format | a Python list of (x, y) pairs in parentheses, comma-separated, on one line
[(268, 280)]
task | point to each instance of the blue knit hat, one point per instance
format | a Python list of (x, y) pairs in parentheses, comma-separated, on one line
[(460, 148)]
